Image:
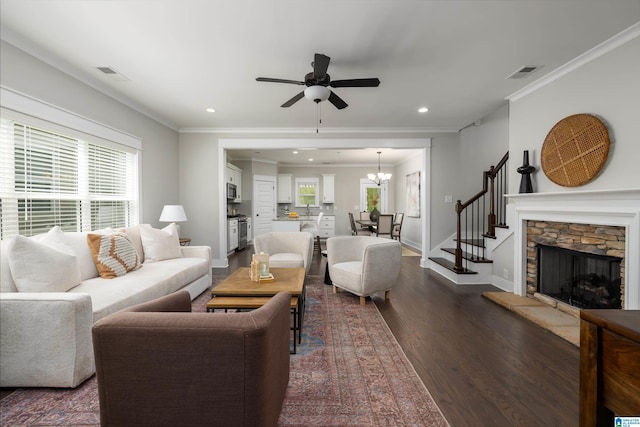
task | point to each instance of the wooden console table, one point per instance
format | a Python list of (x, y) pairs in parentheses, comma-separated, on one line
[(609, 366)]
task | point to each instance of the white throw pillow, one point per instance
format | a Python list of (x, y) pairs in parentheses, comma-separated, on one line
[(45, 264), (160, 244)]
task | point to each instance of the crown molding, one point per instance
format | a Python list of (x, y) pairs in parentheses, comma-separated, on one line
[(605, 47), (322, 131)]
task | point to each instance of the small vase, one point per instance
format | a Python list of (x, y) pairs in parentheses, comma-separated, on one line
[(526, 170), (375, 213)]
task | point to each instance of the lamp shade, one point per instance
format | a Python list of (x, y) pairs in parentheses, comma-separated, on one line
[(317, 93), (173, 213)]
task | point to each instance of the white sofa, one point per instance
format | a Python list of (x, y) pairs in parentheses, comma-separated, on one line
[(45, 337)]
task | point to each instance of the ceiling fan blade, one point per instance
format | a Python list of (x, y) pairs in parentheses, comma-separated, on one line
[(293, 100), (268, 79), (337, 101), (320, 65), (355, 83)]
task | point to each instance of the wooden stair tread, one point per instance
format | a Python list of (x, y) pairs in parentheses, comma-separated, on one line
[(449, 265), (468, 256)]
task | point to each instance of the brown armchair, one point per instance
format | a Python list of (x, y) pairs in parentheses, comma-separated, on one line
[(159, 364)]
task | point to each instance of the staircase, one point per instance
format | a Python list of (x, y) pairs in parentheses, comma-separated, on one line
[(480, 228)]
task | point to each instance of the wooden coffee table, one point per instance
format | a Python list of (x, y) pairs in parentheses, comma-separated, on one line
[(239, 284)]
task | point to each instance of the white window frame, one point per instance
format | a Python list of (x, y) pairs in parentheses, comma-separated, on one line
[(307, 181), (35, 113)]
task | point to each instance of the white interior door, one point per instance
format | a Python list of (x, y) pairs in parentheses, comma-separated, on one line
[(264, 196)]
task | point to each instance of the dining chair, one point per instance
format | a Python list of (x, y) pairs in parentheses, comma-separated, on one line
[(385, 225), (355, 230), (365, 216), (397, 226), (314, 228)]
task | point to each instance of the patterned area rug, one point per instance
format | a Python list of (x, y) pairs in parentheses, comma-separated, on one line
[(349, 371)]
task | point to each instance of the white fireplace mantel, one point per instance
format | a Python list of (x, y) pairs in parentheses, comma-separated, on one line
[(606, 207)]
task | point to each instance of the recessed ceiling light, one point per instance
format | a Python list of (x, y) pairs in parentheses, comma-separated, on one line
[(295, 152), (211, 110), (423, 110), (311, 160)]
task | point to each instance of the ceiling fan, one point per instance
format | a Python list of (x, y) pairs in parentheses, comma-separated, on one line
[(317, 82)]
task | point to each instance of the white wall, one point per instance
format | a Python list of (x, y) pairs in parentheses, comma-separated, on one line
[(159, 175), (608, 87), (482, 146)]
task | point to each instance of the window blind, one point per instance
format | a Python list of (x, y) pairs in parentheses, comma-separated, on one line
[(47, 179)]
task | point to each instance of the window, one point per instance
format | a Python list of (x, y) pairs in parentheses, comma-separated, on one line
[(307, 192), (47, 179)]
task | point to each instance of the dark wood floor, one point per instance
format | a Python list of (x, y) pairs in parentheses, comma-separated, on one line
[(483, 365)]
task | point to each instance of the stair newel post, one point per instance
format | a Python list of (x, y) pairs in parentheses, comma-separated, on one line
[(458, 263), (491, 219)]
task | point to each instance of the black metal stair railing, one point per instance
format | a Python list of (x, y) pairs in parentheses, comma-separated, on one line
[(477, 218)]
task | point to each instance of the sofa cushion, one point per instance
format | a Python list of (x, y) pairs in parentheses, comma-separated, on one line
[(158, 244), (286, 260), (113, 254), (45, 264), (151, 281), (347, 272)]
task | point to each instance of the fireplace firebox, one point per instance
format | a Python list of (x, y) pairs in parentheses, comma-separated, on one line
[(583, 280)]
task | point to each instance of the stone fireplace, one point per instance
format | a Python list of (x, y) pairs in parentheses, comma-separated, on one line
[(599, 230), (579, 264)]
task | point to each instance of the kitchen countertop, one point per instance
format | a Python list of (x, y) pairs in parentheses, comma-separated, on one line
[(300, 218)]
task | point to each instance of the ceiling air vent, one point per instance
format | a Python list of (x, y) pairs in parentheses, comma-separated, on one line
[(523, 72), (113, 74)]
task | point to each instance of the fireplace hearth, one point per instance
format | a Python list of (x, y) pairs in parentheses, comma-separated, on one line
[(579, 279)]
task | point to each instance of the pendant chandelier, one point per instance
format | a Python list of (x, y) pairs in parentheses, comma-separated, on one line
[(380, 177)]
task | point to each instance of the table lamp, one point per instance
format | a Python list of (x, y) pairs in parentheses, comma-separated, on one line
[(173, 213)]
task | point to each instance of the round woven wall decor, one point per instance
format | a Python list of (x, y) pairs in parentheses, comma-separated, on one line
[(575, 150)]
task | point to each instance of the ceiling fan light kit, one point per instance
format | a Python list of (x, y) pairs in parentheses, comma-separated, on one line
[(317, 93)]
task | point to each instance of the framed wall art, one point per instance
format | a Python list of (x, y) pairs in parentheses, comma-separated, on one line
[(413, 194)]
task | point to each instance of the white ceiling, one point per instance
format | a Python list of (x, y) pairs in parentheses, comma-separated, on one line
[(181, 57)]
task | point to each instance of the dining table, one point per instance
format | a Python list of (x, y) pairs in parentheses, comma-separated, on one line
[(367, 223)]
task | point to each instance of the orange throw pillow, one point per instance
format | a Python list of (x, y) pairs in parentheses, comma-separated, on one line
[(113, 254)]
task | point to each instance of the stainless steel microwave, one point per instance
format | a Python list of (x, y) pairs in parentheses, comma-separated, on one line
[(231, 191)]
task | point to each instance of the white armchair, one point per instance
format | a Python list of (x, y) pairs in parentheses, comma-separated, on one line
[(286, 248), (364, 265)]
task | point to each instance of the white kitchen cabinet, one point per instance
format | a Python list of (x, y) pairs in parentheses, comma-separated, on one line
[(328, 188), (284, 188), (234, 176), (327, 226), (232, 234), (229, 174)]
